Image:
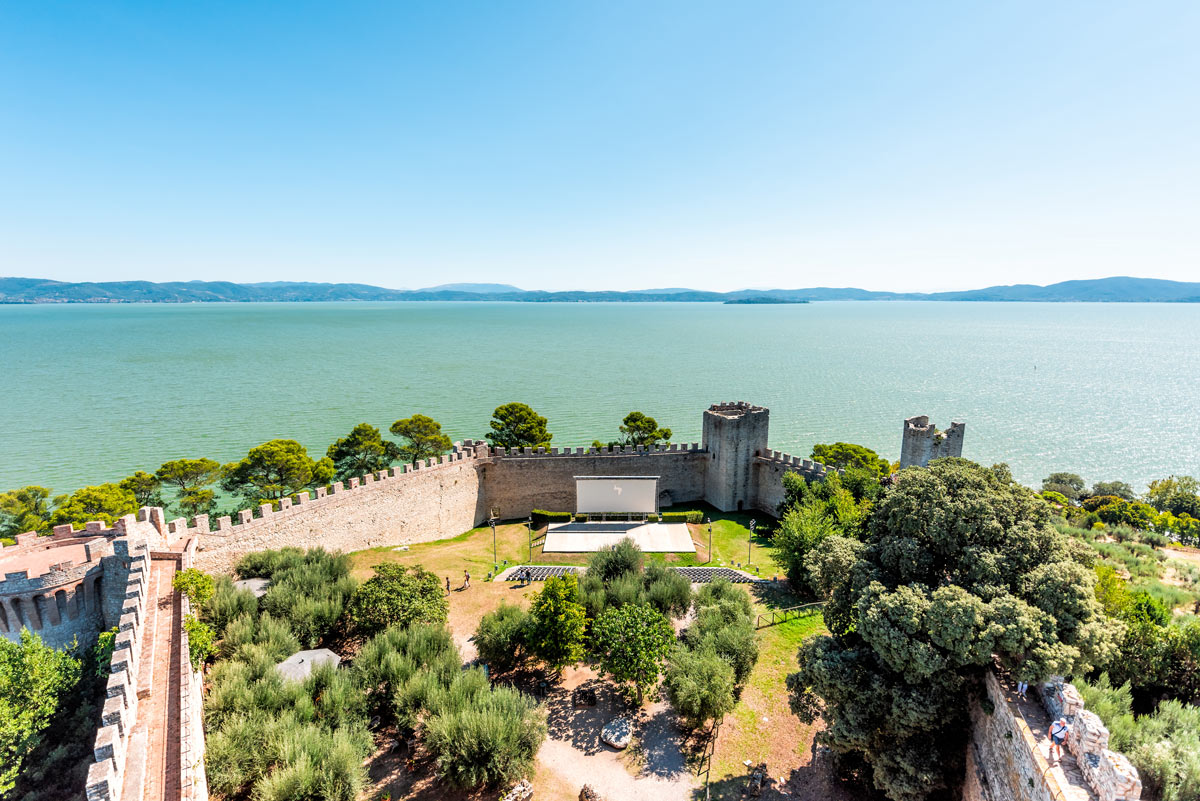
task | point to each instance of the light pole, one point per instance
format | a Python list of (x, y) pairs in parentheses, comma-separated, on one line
[(750, 541), (529, 531), (709, 521), (492, 522)]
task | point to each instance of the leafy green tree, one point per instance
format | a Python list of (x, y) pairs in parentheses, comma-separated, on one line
[(1117, 488), (276, 469), (197, 585), (398, 595), (556, 623), (802, 529), (638, 429), (501, 636), (201, 640), (107, 502), (961, 567), (1069, 485), (145, 488), (699, 685), (515, 425), (33, 679), (23, 510), (362, 451), (189, 478), (847, 454), (1178, 495), (423, 438), (632, 642)]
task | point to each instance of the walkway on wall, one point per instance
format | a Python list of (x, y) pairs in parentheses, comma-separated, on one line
[(152, 772), (1065, 772)]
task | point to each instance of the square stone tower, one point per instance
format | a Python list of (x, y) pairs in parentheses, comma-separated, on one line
[(922, 442), (734, 433)]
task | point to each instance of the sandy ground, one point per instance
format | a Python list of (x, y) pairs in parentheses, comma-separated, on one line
[(653, 767)]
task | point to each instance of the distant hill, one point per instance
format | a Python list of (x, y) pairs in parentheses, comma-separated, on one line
[(40, 290), (481, 289)]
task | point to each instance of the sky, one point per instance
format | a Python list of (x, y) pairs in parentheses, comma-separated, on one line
[(607, 145)]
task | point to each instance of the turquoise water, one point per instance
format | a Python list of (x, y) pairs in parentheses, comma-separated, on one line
[(93, 392)]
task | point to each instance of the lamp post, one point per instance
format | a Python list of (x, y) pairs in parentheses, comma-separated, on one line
[(492, 522), (750, 541), (529, 531), (709, 521)]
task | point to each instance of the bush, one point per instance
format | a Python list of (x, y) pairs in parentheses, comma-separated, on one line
[(543, 516), (501, 636), (667, 590), (489, 741), (309, 590), (693, 516), (196, 585), (621, 559), (398, 668), (200, 640), (699, 685), (34, 678), (398, 596), (557, 622), (724, 626), (228, 603), (265, 564), (271, 636)]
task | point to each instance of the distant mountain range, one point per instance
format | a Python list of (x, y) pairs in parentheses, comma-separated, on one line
[(38, 290)]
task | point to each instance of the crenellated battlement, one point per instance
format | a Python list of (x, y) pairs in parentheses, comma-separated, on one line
[(921, 442)]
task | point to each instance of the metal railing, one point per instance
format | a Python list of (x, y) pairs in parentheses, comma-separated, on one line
[(706, 758), (780, 615)]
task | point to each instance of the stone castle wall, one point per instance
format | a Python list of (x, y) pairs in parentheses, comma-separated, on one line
[(1006, 759), (732, 470)]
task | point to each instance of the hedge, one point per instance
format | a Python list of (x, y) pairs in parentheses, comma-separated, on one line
[(694, 516), (555, 516)]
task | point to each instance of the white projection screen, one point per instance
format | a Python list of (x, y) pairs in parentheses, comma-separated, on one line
[(616, 494)]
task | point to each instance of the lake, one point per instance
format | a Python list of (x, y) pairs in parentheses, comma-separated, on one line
[(92, 393)]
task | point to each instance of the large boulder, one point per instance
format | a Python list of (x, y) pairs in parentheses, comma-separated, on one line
[(617, 732)]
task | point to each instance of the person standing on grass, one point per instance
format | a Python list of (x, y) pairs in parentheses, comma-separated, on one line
[(1058, 736), (447, 585), (466, 580)]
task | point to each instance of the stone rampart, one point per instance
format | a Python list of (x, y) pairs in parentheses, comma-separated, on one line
[(442, 498), (1007, 758), (446, 496), (516, 484), (769, 467), (106, 773)]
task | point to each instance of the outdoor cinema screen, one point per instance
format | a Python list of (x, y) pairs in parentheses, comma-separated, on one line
[(611, 494)]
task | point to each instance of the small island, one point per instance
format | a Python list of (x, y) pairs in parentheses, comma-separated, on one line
[(754, 301)]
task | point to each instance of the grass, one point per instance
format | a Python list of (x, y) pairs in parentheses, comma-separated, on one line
[(761, 728)]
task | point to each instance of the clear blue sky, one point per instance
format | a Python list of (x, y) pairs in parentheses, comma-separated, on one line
[(563, 145)]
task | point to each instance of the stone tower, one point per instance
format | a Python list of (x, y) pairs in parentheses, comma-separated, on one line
[(923, 443), (734, 433)]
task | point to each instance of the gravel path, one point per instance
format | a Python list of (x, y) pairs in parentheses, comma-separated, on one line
[(574, 753)]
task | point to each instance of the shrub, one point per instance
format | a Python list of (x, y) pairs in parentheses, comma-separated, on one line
[(667, 590), (102, 652), (200, 640), (196, 585), (390, 664), (623, 558), (227, 604), (490, 741), (699, 685), (693, 516), (501, 636), (543, 516), (398, 596), (265, 564), (33, 679), (732, 640), (273, 637), (308, 590)]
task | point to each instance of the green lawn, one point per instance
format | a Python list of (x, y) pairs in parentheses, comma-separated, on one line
[(472, 550)]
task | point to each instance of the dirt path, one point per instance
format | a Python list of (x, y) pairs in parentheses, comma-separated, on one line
[(573, 755)]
